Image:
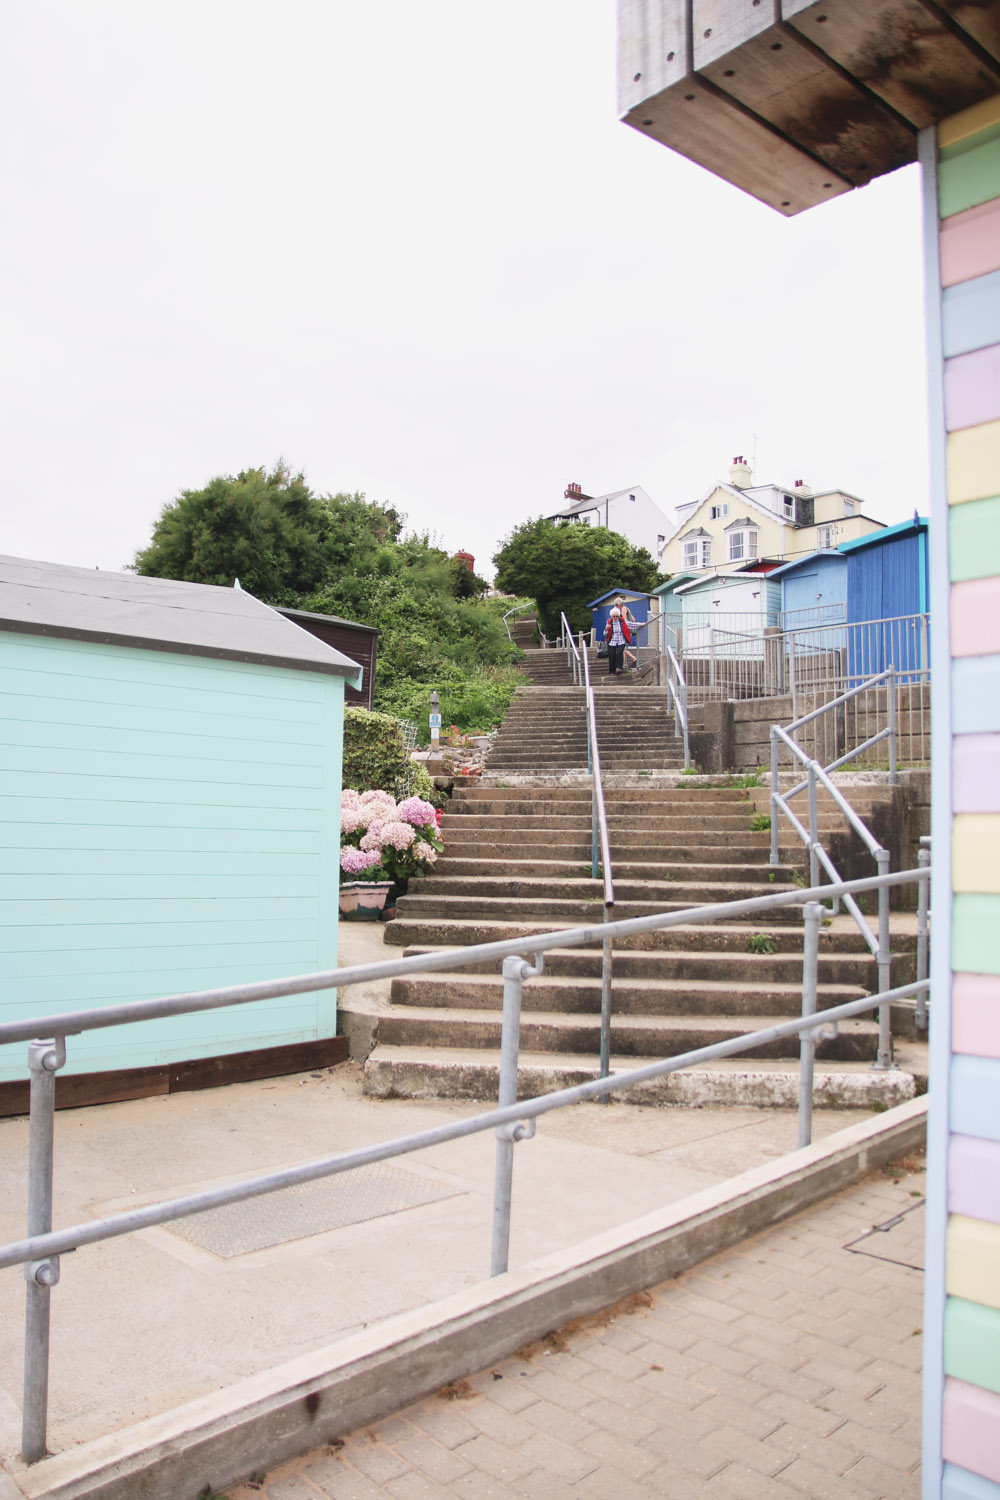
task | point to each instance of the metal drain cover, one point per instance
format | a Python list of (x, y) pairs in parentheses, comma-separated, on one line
[(900, 1239), (295, 1213)]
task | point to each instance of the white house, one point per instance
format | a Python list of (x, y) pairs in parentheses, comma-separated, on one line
[(630, 512)]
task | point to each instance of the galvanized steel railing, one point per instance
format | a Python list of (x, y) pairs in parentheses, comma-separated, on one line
[(512, 1121), (817, 775)]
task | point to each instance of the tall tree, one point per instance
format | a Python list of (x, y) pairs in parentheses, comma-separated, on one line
[(563, 565), (268, 530)]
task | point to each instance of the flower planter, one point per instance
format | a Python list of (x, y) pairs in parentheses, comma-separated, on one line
[(363, 900)]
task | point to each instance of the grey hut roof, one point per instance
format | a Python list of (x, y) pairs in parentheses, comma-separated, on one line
[(158, 614)]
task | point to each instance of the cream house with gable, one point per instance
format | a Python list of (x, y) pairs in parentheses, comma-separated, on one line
[(739, 522)]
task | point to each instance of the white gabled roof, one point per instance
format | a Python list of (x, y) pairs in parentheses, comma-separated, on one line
[(158, 614)]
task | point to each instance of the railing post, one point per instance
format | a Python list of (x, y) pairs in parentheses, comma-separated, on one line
[(606, 1008), (813, 914), (884, 1059), (45, 1058), (515, 971), (774, 796), (891, 687), (923, 908), (813, 827)]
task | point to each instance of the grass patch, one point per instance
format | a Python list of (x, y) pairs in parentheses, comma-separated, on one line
[(760, 823), (761, 942)]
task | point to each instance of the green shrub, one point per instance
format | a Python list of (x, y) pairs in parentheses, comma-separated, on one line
[(760, 823), (476, 702), (375, 753)]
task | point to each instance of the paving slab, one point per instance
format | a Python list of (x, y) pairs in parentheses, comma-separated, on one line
[(144, 1323), (730, 1417)]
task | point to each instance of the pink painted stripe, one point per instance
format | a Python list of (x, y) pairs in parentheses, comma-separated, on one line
[(975, 617), (972, 388), (970, 243), (975, 1015), (971, 1425), (974, 1178), (975, 773)]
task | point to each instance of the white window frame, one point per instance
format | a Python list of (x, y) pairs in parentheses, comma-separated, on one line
[(826, 537), (718, 511), (698, 546), (743, 545)]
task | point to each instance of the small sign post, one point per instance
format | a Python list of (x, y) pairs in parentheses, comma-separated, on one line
[(435, 723)]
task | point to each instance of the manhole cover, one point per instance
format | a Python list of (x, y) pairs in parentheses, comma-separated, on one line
[(311, 1208), (900, 1239)]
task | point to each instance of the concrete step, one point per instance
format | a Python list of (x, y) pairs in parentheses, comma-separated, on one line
[(632, 1036), (732, 995), (556, 912), (735, 963), (409, 1073), (502, 887), (454, 866)]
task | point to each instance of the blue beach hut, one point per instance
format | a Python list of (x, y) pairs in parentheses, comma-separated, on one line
[(171, 799)]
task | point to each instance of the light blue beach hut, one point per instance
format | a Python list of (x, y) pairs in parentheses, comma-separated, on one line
[(171, 800)]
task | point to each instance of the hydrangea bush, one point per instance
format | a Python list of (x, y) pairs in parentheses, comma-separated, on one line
[(381, 839)]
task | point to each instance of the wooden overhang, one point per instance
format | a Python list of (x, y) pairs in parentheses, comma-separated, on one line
[(796, 101)]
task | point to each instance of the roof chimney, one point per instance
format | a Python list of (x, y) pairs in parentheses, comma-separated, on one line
[(740, 474), (801, 488), (572, 491)]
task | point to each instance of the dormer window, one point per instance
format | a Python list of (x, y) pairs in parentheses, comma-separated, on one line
[(742, 545), (788, 505), (698, 550), (850, 507)]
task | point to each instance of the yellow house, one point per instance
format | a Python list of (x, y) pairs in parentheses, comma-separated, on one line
[(738, 522)]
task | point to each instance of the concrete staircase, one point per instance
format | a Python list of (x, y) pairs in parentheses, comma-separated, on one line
[(517, 863), (545, 731)]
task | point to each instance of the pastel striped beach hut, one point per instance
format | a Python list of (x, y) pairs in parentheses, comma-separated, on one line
[(170, 803), (797, 102)]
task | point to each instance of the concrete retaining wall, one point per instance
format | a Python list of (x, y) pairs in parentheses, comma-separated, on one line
[(300, 1405)]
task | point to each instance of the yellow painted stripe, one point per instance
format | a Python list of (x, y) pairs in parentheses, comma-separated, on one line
[(969, 122), (973, 1260), (975, 839), (973, 461)]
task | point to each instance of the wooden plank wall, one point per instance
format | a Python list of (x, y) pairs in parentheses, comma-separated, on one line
[(967, 255), (170, 824)]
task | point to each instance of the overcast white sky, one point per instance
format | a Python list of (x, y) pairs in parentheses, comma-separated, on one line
[(409, 247)]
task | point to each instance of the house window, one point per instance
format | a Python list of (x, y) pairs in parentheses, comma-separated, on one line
[(825, 536), (742, 546), (698, 553), (850, 507), (719, 510), (789, 507)]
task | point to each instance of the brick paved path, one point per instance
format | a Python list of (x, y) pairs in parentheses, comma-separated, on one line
[(789, 1367)]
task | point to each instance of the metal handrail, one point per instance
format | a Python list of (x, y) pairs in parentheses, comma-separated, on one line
[(817, 775), (39, 1252), (677, 690), (565, 638), (600, 840), (517, 609)]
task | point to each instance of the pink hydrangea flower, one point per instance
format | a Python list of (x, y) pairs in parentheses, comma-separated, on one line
[(396, 835), (357, 861), (350, 819), (425, 851), (416, 811)]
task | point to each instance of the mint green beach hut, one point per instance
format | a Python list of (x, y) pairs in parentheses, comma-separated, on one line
[(171, 811)]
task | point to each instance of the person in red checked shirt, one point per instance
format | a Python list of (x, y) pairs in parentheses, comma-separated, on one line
[(618, 636)]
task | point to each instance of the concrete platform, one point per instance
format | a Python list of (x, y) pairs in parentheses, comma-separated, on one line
[(146, 1323)]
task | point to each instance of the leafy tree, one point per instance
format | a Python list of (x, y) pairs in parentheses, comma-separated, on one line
[(563, 565), (268, 530)]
